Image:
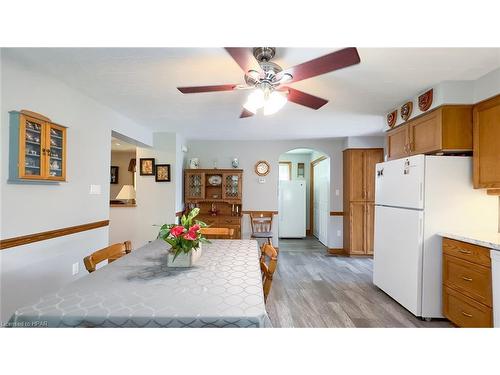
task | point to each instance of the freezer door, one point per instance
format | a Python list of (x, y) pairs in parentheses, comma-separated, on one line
[(397, 260), (400, 183), (292, 209)]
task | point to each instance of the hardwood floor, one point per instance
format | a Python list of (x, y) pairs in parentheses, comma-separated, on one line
[(314, 289)]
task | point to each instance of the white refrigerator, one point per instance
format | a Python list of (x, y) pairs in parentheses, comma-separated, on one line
[(416, 198), (292, 209)]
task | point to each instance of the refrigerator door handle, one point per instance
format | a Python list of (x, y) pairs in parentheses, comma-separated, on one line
[(421, 191)]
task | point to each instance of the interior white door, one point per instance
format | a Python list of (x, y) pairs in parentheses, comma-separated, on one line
[(400, 183), (321, 201), (397, 258)]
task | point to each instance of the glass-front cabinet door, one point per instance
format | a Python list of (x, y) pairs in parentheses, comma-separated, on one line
[(231, 186), (55, 151), (31, 151), (195, 185), (42, 150)]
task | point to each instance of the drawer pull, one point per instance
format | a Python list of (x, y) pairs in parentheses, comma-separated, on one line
[(465, 251), (467, 315), (466, 278)]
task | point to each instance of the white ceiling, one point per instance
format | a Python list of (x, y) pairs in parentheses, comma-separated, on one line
[(118, 145), (141, 84), (300, 151)]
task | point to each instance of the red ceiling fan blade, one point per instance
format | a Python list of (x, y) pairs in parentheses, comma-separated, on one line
[(195, 89), (246, 113), (324, 64), (305, 99), (244, 58)]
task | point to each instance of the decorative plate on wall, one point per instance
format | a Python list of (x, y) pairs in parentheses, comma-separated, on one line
[(391, 118), (262, 168), (406, 110), (425, 100), (215, 180)]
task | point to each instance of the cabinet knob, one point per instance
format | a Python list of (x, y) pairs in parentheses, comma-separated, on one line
[(464, 251)]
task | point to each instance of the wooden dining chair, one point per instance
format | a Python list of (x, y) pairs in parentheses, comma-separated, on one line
[(268, 251), (110, 253), (220, 232), (262, 223)]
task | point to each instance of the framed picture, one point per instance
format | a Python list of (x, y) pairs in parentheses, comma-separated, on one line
[(147, 167), (162, 173), (114, 175)]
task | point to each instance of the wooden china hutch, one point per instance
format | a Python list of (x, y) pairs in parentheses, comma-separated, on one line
[(218, 193)]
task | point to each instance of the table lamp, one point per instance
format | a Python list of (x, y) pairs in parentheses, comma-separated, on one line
[(127, 193)]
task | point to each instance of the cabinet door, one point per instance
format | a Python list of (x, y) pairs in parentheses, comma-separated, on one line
[(487, 144), (397, 142), (357, 228), (369, 227), (356, 171), (195, 185), (31, 149), (55, 146), (372, 157), (231, 186), (425, 133)]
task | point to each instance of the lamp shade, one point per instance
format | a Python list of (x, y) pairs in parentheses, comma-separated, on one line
[(127, 192)]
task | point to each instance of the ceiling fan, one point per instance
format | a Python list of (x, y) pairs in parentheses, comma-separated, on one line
[(269, 82)]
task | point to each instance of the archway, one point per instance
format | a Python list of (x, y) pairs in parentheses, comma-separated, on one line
[(304, 194)]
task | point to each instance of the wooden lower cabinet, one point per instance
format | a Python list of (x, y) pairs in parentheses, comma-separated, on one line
[(467, 285), (359, 229), (233, 222)]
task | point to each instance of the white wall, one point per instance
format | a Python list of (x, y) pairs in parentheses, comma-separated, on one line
[(457, 92), (32, 270), (258, 196)]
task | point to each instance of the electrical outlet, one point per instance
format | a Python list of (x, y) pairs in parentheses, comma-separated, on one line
[(337, 192), (76, 268), (339, 233)]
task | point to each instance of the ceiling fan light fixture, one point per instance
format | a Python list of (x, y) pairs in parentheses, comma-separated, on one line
[(276, 101), (255, 101)]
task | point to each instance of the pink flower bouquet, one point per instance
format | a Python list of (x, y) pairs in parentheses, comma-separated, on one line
[(185, 237)]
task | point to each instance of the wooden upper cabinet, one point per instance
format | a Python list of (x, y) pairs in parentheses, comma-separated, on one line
[(356, 167), (445, 129), (397, 142), (425, 134), (371, 157), (487, 143), (37, 148), (232, 186), (194, 185)]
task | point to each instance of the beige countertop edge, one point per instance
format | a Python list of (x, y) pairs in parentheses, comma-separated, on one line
[(489, 240)]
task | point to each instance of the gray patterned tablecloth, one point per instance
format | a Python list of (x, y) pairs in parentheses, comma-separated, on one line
[(224, 289)]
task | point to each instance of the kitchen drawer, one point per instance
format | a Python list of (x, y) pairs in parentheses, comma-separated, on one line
[(229, 220), (209, 220), (464, 311), (463, 250), (470, 279)]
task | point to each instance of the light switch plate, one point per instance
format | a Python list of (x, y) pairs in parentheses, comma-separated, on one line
[(95, 189), (76, 268), (337, 192), (262, 180), (339, 233)]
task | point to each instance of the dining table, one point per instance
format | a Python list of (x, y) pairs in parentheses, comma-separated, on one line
[(223, 289)]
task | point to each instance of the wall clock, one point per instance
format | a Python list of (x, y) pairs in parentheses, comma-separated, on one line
[(262, 168)]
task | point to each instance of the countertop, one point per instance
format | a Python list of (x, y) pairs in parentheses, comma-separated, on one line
[(490, 240)]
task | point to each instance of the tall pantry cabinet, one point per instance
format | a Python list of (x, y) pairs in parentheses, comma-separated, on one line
[(359, 199)]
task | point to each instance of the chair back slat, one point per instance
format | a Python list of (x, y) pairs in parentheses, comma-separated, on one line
[(224, 232), (268, 269), (261, 222), (110, 253)]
